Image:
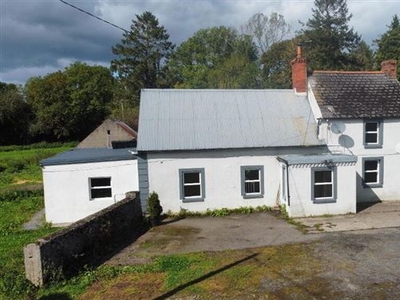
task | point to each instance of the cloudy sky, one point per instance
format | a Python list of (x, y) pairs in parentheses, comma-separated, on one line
[(38, 37)]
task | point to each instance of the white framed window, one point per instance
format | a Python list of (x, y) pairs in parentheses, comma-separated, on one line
[(252, 181), (323, 184), (100, 187), (192, 185), (373, 171), (373, 134)]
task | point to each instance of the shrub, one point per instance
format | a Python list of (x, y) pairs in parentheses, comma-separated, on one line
[(154, 208)]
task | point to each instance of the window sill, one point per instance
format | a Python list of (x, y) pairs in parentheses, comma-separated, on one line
[(101, 199), (324, 201), (253, 196), (372, 185), (373, 146), (189, 200)]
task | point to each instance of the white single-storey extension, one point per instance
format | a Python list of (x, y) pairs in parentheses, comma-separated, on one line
[(80, 182), (315, 185)]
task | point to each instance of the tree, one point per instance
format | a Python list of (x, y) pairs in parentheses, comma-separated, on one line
[(331, 41), (142, 53), (362, 57), (389, 43), (15, 115), (68, 105), (276, 64), (266, 31), (206, 51)]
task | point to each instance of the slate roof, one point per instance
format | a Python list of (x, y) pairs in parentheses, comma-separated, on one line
[(356, 94), (224, 119), (89, 155)]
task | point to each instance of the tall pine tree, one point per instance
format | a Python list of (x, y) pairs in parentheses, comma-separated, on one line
[(142, 54), (329, 39), (389, 43)]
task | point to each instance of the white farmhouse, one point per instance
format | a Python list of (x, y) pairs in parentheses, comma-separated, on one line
[(213, 149), (322, 147)]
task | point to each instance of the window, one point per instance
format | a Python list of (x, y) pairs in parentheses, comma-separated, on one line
[(252, 178), (192, 185), (324, 184), (373, 171), (100, 187), (373, 134)]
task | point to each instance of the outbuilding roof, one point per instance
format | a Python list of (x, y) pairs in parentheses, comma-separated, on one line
[(89, 155), (224, 119), (356, 94)]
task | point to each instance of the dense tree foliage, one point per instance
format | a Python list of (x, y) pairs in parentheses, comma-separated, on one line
[(70, 104), (276, 64), (15, 115), (389, 43), (266, 31), (329, 37), (142, 53), (200, 61)]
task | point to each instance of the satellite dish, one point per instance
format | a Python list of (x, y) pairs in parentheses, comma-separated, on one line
[(346, 141), (338, 127)]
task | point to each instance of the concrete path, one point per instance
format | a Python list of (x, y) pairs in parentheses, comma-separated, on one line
[(379, 215), (36, 221)]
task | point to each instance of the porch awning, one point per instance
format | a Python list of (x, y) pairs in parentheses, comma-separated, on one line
[(326, 159)]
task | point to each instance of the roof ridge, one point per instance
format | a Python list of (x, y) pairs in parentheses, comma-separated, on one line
[(350, 72)]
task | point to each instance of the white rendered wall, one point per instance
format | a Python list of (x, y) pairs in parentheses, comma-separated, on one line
[(300, 185), (66, 188), (391, 139), (222, 177)]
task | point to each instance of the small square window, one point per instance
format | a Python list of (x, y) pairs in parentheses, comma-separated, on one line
[(324, 184), (373, 171), (191, 183), (373, 134), (252, 181), (100, 187)]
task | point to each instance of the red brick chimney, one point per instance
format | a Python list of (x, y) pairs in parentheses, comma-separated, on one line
[(389, 67), (299, 72)]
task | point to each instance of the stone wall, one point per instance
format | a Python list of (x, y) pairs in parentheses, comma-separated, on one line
[(84, 243)]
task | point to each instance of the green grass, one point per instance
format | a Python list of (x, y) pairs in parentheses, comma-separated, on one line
[(13, 214), (20, 168), (21, 196)]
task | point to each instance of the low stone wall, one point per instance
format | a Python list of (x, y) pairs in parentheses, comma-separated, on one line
[(84, 243)]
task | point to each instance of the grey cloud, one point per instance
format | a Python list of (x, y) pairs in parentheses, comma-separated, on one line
[(39, 35)]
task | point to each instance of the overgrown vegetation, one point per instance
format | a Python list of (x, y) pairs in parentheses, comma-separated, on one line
[(19, 165), (21, 196), (223, 212)]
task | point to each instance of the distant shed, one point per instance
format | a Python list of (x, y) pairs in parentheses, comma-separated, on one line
[(108, 132)]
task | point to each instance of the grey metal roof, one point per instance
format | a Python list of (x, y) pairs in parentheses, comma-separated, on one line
[(318, 159), (224, 119), (356, 94), (88, 155)]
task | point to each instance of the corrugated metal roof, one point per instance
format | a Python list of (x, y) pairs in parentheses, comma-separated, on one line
[(224, 119), (88, 155), (318, 159)]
